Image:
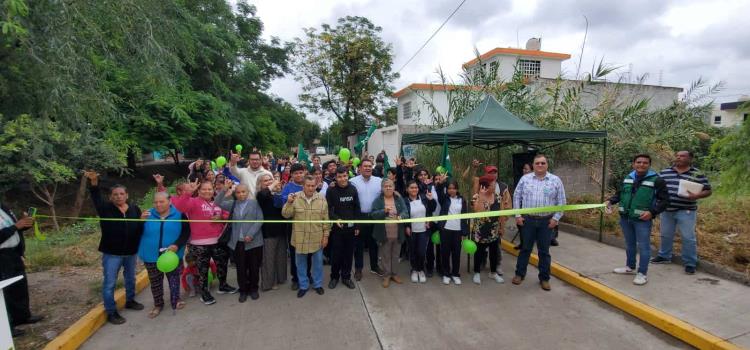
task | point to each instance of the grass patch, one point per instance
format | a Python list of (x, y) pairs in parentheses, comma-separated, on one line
[(73, 245)]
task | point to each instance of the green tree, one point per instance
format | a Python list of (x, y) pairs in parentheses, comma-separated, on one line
[(346, 71), (731, 155)]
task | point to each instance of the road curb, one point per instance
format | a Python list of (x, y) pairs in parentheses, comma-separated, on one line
[(79, 332), (667, 323)]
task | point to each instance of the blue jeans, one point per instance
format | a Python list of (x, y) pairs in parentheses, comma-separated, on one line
[(111, 268), (637, 239), (317, 269), (535, 230), (684, 220)]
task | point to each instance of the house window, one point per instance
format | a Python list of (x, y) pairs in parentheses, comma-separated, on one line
[(406, 108), (744, 117), (717, 120), (529, 68), (494, 67)]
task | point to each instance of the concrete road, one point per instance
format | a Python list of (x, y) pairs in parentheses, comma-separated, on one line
[(408, 316)]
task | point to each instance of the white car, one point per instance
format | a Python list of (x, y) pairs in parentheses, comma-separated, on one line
[(320, 150)]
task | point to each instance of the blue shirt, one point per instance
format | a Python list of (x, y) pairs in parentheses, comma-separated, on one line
[(289, 188), (532, 192)]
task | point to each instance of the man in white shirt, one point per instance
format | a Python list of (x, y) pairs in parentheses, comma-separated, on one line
[(249, 176), (368, 188)]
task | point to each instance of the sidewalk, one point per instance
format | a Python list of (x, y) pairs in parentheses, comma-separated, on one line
[(716, 305), (408, 316)]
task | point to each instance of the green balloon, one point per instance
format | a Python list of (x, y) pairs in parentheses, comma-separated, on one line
[(210, 277), (470, 247), (167, 262), (435, 237), (441, 170), (356, 161), (221, 161), (238, 148), (213, 165), (344, 155)]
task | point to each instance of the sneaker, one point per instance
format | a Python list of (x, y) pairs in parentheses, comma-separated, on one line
[(320, 290), (295, 285), (640, 279), (456, 280), (422, 277), (660, 260), (348, 283), (254, 295), (301, 293), (477, 279), (192, 293), (115, 318), (429, 274), (554, 243), (690, 270), (227, 289), (378, 272), (133, 305), (414, 277), (545, 285), (208, 299), (624, 271), (333, 283), (446, 280), (497, 278), (243, 297), (358, 275)]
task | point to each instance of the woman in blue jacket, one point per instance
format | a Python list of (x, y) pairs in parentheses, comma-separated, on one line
[(158, 236)]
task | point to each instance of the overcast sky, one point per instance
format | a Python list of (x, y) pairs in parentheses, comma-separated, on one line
[(678, 41)]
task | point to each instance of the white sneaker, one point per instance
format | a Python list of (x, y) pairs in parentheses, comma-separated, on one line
[(497, 278), (640, 279), (446, 280), (422, 277), (456, 280), (477, 279), (414, 277), (624, 271)]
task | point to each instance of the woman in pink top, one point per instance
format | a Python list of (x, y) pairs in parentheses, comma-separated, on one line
[(204, 236)]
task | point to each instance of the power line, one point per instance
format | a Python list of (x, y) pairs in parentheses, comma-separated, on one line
[(431, 36)]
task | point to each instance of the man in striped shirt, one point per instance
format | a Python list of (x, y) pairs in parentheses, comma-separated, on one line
[(534, 190), (681, 211)]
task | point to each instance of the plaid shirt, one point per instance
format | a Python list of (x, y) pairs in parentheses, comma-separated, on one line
[(532, 192), (307, 237)]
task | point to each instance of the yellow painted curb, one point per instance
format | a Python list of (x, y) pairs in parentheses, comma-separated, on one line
[(667, 323), (79, 332)]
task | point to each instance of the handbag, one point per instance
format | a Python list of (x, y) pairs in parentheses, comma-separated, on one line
[(226, 234)]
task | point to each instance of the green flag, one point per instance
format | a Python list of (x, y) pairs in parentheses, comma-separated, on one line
[(303, 157), (361, 144), (386, 164), (447, 167)]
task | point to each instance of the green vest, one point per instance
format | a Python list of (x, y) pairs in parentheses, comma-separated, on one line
[(632, 205)]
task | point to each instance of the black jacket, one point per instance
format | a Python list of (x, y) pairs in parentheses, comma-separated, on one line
[(429, 204), (118, 237), (445, 204), (270, 212), (8, 232), (343, 204)]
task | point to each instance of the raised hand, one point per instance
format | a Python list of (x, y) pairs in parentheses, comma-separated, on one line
[(190, 187), (25, 222), (290, 199), (229, 187), (159, 179), (398, 161), (93, 176), (234, 159), (428, 194), (145, 214), (475, 163)]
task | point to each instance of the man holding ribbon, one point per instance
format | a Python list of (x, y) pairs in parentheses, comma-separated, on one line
[(534, 190)]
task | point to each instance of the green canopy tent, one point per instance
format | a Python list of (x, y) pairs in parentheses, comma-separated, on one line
[(491, 126)]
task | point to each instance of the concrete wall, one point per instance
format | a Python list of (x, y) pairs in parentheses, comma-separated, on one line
[(420, 110), (389, 139), (659, 96), (549, 68), (576, 178), (729, 117)]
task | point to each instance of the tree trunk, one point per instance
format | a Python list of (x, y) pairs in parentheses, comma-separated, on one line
[(176, 157), (54, 216), (43, 193), (131, 160), (80, 197)]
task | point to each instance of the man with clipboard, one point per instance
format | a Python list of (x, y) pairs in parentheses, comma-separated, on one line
[(681, 211)]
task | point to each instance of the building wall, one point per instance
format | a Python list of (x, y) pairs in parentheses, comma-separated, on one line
[(549, 68), (729, 118), (659, 96), (576, 179), (420, 111)]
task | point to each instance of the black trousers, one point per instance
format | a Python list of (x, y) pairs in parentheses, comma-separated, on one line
[(433, 256), (450, 252), (365, 240), (16, 294), (342, 252), (479, 256), (248, 267), (292, 254)]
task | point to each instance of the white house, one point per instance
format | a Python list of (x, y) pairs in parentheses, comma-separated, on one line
[(540, 68), (728, 114)]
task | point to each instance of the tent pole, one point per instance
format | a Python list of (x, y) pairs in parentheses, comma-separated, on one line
[(604, 186)]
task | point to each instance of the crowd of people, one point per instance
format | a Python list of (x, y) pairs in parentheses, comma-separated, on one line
[(285, 212)]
